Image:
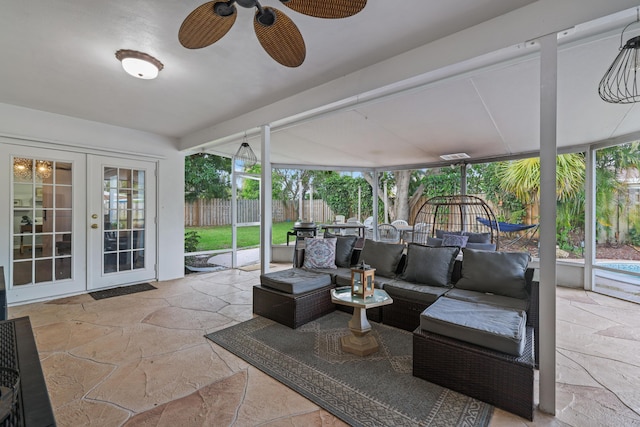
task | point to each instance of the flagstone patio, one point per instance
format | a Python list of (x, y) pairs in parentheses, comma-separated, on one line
[(142, 359)]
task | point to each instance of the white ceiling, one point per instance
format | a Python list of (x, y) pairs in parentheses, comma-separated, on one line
[(468, 77)]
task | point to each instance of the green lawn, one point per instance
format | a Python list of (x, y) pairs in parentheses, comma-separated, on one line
[(219, 237)]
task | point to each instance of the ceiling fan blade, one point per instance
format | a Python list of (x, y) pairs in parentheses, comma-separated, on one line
[(207, 24), (280, 37), (331, 9)]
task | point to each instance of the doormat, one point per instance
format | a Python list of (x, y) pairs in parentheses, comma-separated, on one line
[(122, 290), (376, 390)]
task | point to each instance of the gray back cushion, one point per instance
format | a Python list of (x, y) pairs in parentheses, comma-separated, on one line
[(481, 246), (429, 266), (434, 241), (478, 237), (384, 257), (499, 273), (344, 249), (440, 233)]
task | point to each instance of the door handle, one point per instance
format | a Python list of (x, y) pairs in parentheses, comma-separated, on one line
[(94, 225)]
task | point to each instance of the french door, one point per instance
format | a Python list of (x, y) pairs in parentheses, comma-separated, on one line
[(121, 220), (74, 222), (47, 246)]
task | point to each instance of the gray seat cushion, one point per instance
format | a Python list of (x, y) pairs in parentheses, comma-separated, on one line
[(334, 272), (484, 298), (295, 280), (486, 325), (424, 294)]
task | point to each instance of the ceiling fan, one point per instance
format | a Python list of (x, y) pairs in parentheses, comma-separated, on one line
[(276, 32)]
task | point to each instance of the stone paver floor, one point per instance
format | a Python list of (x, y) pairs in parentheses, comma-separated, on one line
[(142, 360)]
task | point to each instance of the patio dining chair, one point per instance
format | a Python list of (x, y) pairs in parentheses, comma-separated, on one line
[(388, 233), (368, 230), (402, 223), (351, 231)]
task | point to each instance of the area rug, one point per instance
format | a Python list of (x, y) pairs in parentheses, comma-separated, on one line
[(378, 389), (122, 290)]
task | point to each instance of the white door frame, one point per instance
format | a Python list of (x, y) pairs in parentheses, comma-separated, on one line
[(96, 278), (45, 290)]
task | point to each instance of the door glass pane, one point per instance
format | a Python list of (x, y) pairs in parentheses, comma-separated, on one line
[(123, 211), (39, 185)]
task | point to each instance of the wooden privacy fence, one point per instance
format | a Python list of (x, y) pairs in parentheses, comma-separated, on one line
[(201, 213)]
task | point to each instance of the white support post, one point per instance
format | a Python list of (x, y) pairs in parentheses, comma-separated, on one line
[(590, 219), (386, 207), (376, 182), (234, 214), (548, 154), (266, 217), (359, 203)]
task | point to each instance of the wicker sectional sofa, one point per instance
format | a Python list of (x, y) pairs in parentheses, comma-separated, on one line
[(474, 321)]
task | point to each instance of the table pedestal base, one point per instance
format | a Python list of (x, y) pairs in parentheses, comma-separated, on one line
[(359, 342), (360, 346)]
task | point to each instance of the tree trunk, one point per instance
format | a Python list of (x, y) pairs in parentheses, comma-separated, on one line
[(399, 207), (403, 179)]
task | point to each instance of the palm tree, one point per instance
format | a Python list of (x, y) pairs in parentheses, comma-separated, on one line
[(522, 178), (614, 165)]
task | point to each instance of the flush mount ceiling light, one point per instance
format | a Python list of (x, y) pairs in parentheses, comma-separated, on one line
[(139, 64), (277, 34), (620, 83)]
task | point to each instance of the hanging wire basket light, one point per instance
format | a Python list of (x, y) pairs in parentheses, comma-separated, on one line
[(620, 83), (245, 157)]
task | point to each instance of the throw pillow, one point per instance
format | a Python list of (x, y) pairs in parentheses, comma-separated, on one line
[(429, 266), (319, 253), (454, 240), (384, 257), (500, 273), (440, 233), (344, 249), (478, 237), (434, 241)]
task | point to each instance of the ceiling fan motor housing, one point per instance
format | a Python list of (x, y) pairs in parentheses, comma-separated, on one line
[(247, 3)]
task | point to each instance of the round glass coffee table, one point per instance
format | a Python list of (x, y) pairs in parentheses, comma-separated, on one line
[(360, 342)]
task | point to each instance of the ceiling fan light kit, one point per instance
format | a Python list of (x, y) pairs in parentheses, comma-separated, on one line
[(276, 32), (620, 83)]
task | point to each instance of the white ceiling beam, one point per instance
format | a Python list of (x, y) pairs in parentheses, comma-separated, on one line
[(527, 23)]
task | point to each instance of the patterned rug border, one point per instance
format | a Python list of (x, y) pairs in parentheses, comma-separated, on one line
[(365, 409)]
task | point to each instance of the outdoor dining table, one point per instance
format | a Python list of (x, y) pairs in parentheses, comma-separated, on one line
[(404, 229), (345, 226)]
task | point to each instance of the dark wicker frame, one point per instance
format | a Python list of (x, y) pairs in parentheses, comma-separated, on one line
[(292, 310), (500, 379), (497, 378), (453, 213)]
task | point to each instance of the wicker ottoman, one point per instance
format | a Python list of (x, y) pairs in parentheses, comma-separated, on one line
[(497, 378), (293, 297)]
